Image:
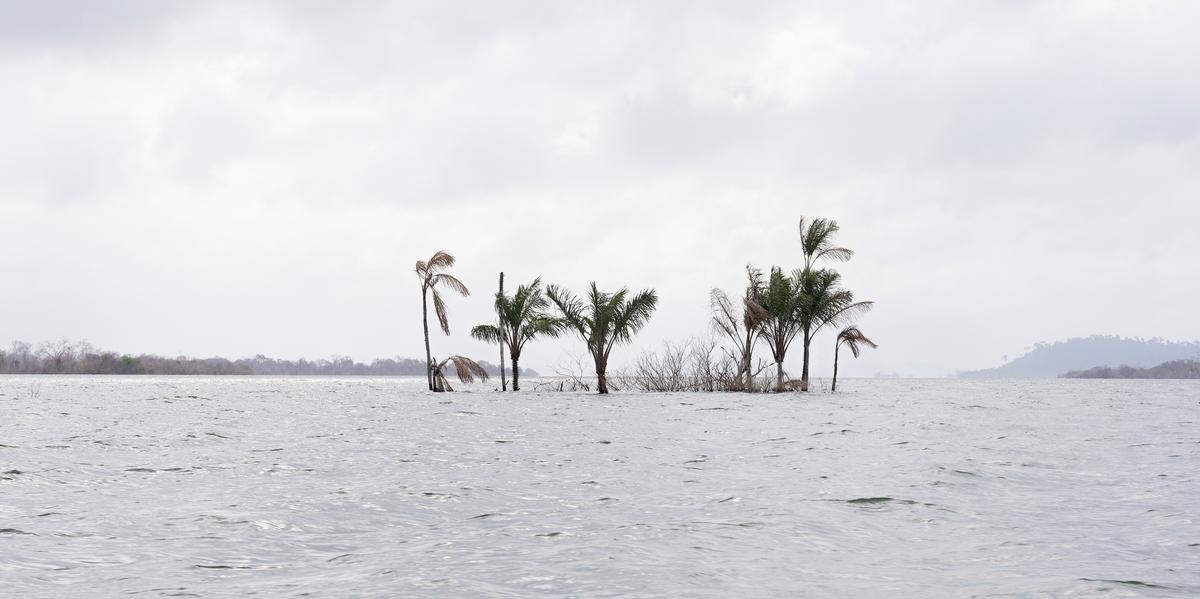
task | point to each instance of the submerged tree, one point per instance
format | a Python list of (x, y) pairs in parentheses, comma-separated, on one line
[(522, 317), (431, 276), (821, 302), (466, 369), (780, 300), (742, 329), (604, 320), (854, 339), (500, 324)]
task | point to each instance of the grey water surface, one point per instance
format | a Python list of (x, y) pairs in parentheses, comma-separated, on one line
[(280, 487)]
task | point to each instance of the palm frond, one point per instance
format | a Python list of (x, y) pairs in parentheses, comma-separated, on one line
[(854, 339), (439, 307), (631, 316), (441, 260), (569, 307), (838, 254), (466, 369), (451, 282), (489, 333)]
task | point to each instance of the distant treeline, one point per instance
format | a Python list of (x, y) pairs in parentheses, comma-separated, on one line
[(65, 357), (1176, 369)]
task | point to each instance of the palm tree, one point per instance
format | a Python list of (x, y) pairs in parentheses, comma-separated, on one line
[(431, 276), (781, 301), (821, 302), (604, 320), (466, 369), (817, 242), (854, 339), (522, 317), (743, 330), (500, 323)]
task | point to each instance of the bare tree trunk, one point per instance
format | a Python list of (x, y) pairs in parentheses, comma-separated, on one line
[(425, 323), (779, 374), (503, 380), (804, 371), (836, 348), (516, 373)]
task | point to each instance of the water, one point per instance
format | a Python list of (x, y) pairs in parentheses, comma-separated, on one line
[(227, 487)]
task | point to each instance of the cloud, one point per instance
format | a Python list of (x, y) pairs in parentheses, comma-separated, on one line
[(236, 178)]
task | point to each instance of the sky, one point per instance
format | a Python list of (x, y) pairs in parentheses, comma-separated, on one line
[(237, 178)]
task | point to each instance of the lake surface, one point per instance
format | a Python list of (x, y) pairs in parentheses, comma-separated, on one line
[(227, 487)]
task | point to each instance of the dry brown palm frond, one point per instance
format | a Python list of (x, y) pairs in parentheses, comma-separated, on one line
[(441, 259), (451, 282), (439, 307), (854, 339), (467, 369)]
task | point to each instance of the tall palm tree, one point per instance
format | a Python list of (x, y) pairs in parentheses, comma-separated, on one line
[(854, 339), (781, 301), (466, 369), (604, 320), (743, 330), (817, 242), (822, 302), (522, 317), (500, 323), (431, 275)]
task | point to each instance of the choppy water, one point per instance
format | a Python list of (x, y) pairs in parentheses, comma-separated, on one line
[(375, 488)]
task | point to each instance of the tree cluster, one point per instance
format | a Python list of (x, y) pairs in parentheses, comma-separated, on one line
[(67, 357), (774, 311)]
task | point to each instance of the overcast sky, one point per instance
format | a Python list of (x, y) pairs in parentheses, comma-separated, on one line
[(255, 177)]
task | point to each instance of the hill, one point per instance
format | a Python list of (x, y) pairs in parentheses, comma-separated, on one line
[(1048, 360), (1176, 369)]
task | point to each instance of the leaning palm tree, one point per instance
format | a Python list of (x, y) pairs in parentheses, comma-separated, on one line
[(822, 302), (431, 276), (741, 329), (854, 339), (781, 300), (604, 320), (466, 369), (522, 317)]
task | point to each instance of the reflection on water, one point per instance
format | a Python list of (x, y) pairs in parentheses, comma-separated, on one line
[(373, 487)]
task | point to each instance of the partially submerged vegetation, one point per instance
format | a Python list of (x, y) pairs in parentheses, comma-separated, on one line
[(521, 318), (776, 311)]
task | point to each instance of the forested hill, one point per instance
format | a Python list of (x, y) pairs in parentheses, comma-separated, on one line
[(1177, 369), (1048, 360)]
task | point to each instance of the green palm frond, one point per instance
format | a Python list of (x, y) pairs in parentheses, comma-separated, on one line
[(489, 333)]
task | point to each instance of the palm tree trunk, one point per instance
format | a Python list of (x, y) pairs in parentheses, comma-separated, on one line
[(601, 378), (516, 372), (833, 387), (804, 370), (425, 322), (503, 381), (779, 375)]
